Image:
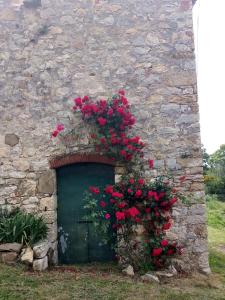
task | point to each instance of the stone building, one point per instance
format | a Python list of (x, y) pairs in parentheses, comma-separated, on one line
[(52, 51)]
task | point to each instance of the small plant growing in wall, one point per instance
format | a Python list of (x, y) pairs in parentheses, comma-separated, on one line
[(137, 210)]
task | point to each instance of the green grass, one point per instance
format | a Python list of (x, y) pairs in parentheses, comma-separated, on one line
[(96, 282), (216, 213), (105, 282), (216, 231)]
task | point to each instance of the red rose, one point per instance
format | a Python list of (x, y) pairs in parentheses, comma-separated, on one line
[(101, 121), (120, 215), (121, 92), (102, 204), (123, 152), (122, 204), (151, 194), (130, 147), (78, 101), (109, 189), (60, 127), (110, 112), (138, 193), (151, 163), (133, 212), (103, 140), (94, 108), (55, 133), (157, 251), (135, 139), (141, 181), (166, 226), (148, 210), (164, 243), (170, 252), (124, 100), (156, 196), (131, 180), (94, 190), (107, 216), (85, 98), (162, 194), (118, 195), (129, 191), (120, 110), (172, 201)]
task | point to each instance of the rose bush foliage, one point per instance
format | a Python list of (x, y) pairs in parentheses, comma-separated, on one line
[(133, 202), (111, 121)]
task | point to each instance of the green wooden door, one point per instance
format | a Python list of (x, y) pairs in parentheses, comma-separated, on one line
[(77, 242)]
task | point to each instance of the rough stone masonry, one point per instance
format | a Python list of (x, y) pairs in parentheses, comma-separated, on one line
[(51, 51)]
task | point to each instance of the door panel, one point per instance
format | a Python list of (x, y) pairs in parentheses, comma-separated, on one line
[(77, 241)]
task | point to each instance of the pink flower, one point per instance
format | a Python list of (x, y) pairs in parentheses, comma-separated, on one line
[(121, 92), (164, 243), (138, 193), (148, 210), (102, 121), (172, 201), (133, 211), (123, 152), (60, 127), (166, 226), (103, 140), (151, 194), (117, 195), (157, 251), (107, 216), (151, 163), (131, 180), (78, 101), (85, 98), (120, 215), (110, 112), (94, 190), (122, 204), (129, 191), (55, 133), (109, 189), (141, 181), (170, 252), (156, 196), (102, 203)]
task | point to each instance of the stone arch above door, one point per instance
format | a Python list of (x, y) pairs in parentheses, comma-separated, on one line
[(69, 159)]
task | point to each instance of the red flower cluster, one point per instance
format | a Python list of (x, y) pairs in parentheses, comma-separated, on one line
[(134, 201), (113, 120), (59, 128)]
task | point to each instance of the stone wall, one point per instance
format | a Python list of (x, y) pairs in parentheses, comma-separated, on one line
[(52, 51)]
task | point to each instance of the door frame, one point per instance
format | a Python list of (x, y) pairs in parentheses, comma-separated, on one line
[(73, 158)]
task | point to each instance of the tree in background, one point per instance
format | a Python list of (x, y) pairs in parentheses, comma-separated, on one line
[(214, 171)]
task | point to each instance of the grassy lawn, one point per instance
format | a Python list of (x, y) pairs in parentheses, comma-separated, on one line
[(106, 282)]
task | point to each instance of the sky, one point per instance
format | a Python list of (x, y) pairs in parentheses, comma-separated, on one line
[(209, 26)]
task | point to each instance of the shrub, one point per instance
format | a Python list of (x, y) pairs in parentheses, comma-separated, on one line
[(20, 227)]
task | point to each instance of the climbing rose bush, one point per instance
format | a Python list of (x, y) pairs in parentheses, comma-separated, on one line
[(121, 207), (118, 210), (111, 121)]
